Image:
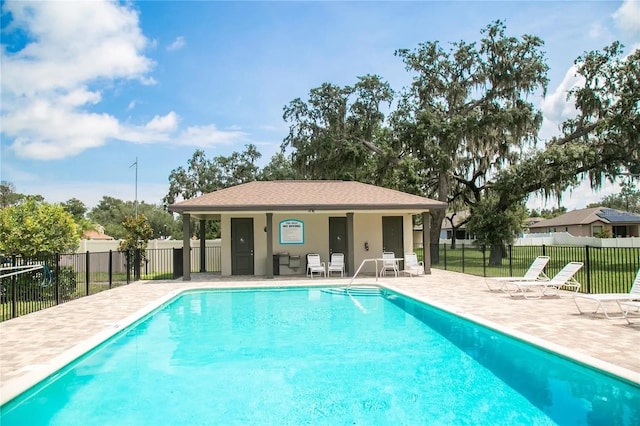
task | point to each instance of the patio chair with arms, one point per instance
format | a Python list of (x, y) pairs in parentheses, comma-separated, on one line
[(336, 264), (564, 278), (634, 294), (412, 266), (314, 265), (389, 263)]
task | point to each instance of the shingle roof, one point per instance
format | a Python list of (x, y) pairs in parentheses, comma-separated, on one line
[(92, 234), (305, 195), (585, 217)]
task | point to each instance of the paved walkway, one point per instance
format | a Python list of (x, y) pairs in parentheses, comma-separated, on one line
[(35, 345)]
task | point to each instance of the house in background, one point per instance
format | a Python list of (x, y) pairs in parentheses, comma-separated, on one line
[(96, 234), (452, 224), (531, 221), (591, 222)]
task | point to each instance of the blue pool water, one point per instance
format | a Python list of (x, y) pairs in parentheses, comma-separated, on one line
[(319, 356)]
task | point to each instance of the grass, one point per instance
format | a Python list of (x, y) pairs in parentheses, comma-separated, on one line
[(606, 270)]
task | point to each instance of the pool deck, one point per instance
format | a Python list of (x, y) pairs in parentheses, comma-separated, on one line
[(35, 345)]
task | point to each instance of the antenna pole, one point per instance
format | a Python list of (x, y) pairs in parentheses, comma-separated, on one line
[(135, 203)]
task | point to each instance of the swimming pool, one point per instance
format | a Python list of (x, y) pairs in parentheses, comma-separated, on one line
[(319, 356)]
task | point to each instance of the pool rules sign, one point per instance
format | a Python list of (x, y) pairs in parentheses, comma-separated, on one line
[(291, 231)]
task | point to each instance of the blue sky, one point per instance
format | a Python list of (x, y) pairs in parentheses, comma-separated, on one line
[(88, 87)]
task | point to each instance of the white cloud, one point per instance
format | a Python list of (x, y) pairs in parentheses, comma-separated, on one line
[(72, 53), (70, 46), (627, 17), (177, 44), (597, 31), (208, 136), (556, 108), (167, 123)]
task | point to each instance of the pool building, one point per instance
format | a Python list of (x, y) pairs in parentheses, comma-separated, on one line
[(269, 227)]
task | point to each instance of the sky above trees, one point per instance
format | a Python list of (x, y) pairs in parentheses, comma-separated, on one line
[(89, 87)]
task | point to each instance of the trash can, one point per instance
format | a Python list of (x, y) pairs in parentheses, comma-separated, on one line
[(276, 264)]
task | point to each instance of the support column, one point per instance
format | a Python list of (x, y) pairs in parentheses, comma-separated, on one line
[(426, 246), (203, 243), (269, 230), (186, 247), (351, 247)]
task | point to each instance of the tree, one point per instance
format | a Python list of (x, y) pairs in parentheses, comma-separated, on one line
[(279, 168), (8, 195), (548, 213), (34, 228), (138, 232), (493, 229), (75, 208), (466, 114), (335, 134), (601, 142), (111, 213), (203, 175), (464, 118)]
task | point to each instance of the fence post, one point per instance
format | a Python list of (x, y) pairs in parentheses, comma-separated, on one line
[(463, 258), (444, 247), (127, 257), (110, 268), (136, 264), (544, 250), (484, 260), (57, 284), (86, 272), (14, 289), (510, 261), (587, 265)]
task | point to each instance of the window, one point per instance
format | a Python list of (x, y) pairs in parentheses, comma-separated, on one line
[(596, 230)]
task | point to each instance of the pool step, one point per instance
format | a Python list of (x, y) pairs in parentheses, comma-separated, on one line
[(354, 291)]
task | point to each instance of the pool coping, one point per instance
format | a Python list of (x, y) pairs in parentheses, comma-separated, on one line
[(39, 372), (605, 367)]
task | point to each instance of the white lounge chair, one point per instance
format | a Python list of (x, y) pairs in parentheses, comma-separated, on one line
[(634, 294), (624, 308), (336, 264), (412, 266), (314, 265), (534, 273), (564, 278), (389, 263)]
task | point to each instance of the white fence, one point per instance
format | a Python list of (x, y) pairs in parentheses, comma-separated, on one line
[(106, 245), (158, 260), (564, 239)]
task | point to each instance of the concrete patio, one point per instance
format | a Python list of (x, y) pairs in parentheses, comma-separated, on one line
[(35, 345)]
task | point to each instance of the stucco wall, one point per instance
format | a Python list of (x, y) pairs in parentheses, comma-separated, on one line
[(367, 227)]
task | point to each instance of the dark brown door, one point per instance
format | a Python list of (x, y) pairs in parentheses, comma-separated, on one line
[(241, 246), (338, 238), (392, 235)]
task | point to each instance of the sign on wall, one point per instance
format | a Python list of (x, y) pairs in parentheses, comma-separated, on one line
[(291, 231)]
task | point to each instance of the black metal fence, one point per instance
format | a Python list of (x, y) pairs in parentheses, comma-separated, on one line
[(605, 270), (60, 278)]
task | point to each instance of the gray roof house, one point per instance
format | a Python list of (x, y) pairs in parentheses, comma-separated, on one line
[(590, 222)]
